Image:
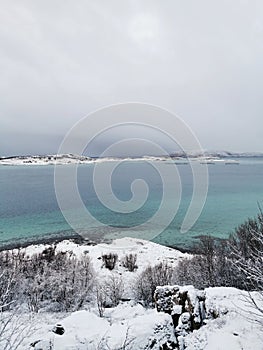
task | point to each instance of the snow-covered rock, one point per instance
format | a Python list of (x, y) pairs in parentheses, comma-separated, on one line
[(186, 305), (133, 325)]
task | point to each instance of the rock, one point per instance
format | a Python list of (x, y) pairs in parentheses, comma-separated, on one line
[(58, 329), (186, 305), (169, 345)]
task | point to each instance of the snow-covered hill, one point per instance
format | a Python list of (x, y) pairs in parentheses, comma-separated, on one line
[(130, 325)]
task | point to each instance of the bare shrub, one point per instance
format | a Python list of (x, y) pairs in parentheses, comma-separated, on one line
[(244, 241), (71, 284), (127, 343), (236, 262), (109, 260), (246, 247), (14, 327), (208, 251), (55, 279), (129, 262), (248, 261), (8, 288), (101, 299), (113, 288), (210, 267), (192, 271), (146, 283)]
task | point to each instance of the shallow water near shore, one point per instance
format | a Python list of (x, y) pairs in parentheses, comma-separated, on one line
[(29, 209)]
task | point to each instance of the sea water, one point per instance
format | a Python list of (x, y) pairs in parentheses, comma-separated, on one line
[(29, 210)]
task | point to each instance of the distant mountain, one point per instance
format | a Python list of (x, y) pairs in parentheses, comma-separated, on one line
[(217, 154)]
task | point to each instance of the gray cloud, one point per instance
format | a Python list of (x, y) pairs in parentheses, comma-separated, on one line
[(60, 60)]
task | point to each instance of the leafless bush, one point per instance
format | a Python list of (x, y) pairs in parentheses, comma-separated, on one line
[(57, 279), (146, 283), (127, 343), (14, 327), (248, 260), (113, 288), (212, 266), (71, 284), (101, 299), (236, 262), (109, 260), (8, 288), (207, 248), (246, 246), (192, 271), (129, 262)]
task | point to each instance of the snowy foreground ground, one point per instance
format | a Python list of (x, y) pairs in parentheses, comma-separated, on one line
[(130, 322)]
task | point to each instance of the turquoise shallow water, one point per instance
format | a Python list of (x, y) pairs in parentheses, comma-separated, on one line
[(29, 209)]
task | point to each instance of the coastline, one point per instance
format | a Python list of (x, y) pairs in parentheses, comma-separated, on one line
[(75, 238), (78, 240)]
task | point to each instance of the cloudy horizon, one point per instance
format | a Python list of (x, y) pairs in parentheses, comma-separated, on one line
[(60, 61)]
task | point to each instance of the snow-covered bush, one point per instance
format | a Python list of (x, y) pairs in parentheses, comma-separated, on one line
[(54, 279)]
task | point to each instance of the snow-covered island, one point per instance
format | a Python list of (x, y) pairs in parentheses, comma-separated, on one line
[(108, 311), (63, 159), (179, 157)]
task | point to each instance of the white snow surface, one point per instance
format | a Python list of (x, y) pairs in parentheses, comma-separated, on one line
[(235, 328), (238, 327), (85, 330)]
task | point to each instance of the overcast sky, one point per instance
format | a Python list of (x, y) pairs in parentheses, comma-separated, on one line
[(60, 60)]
